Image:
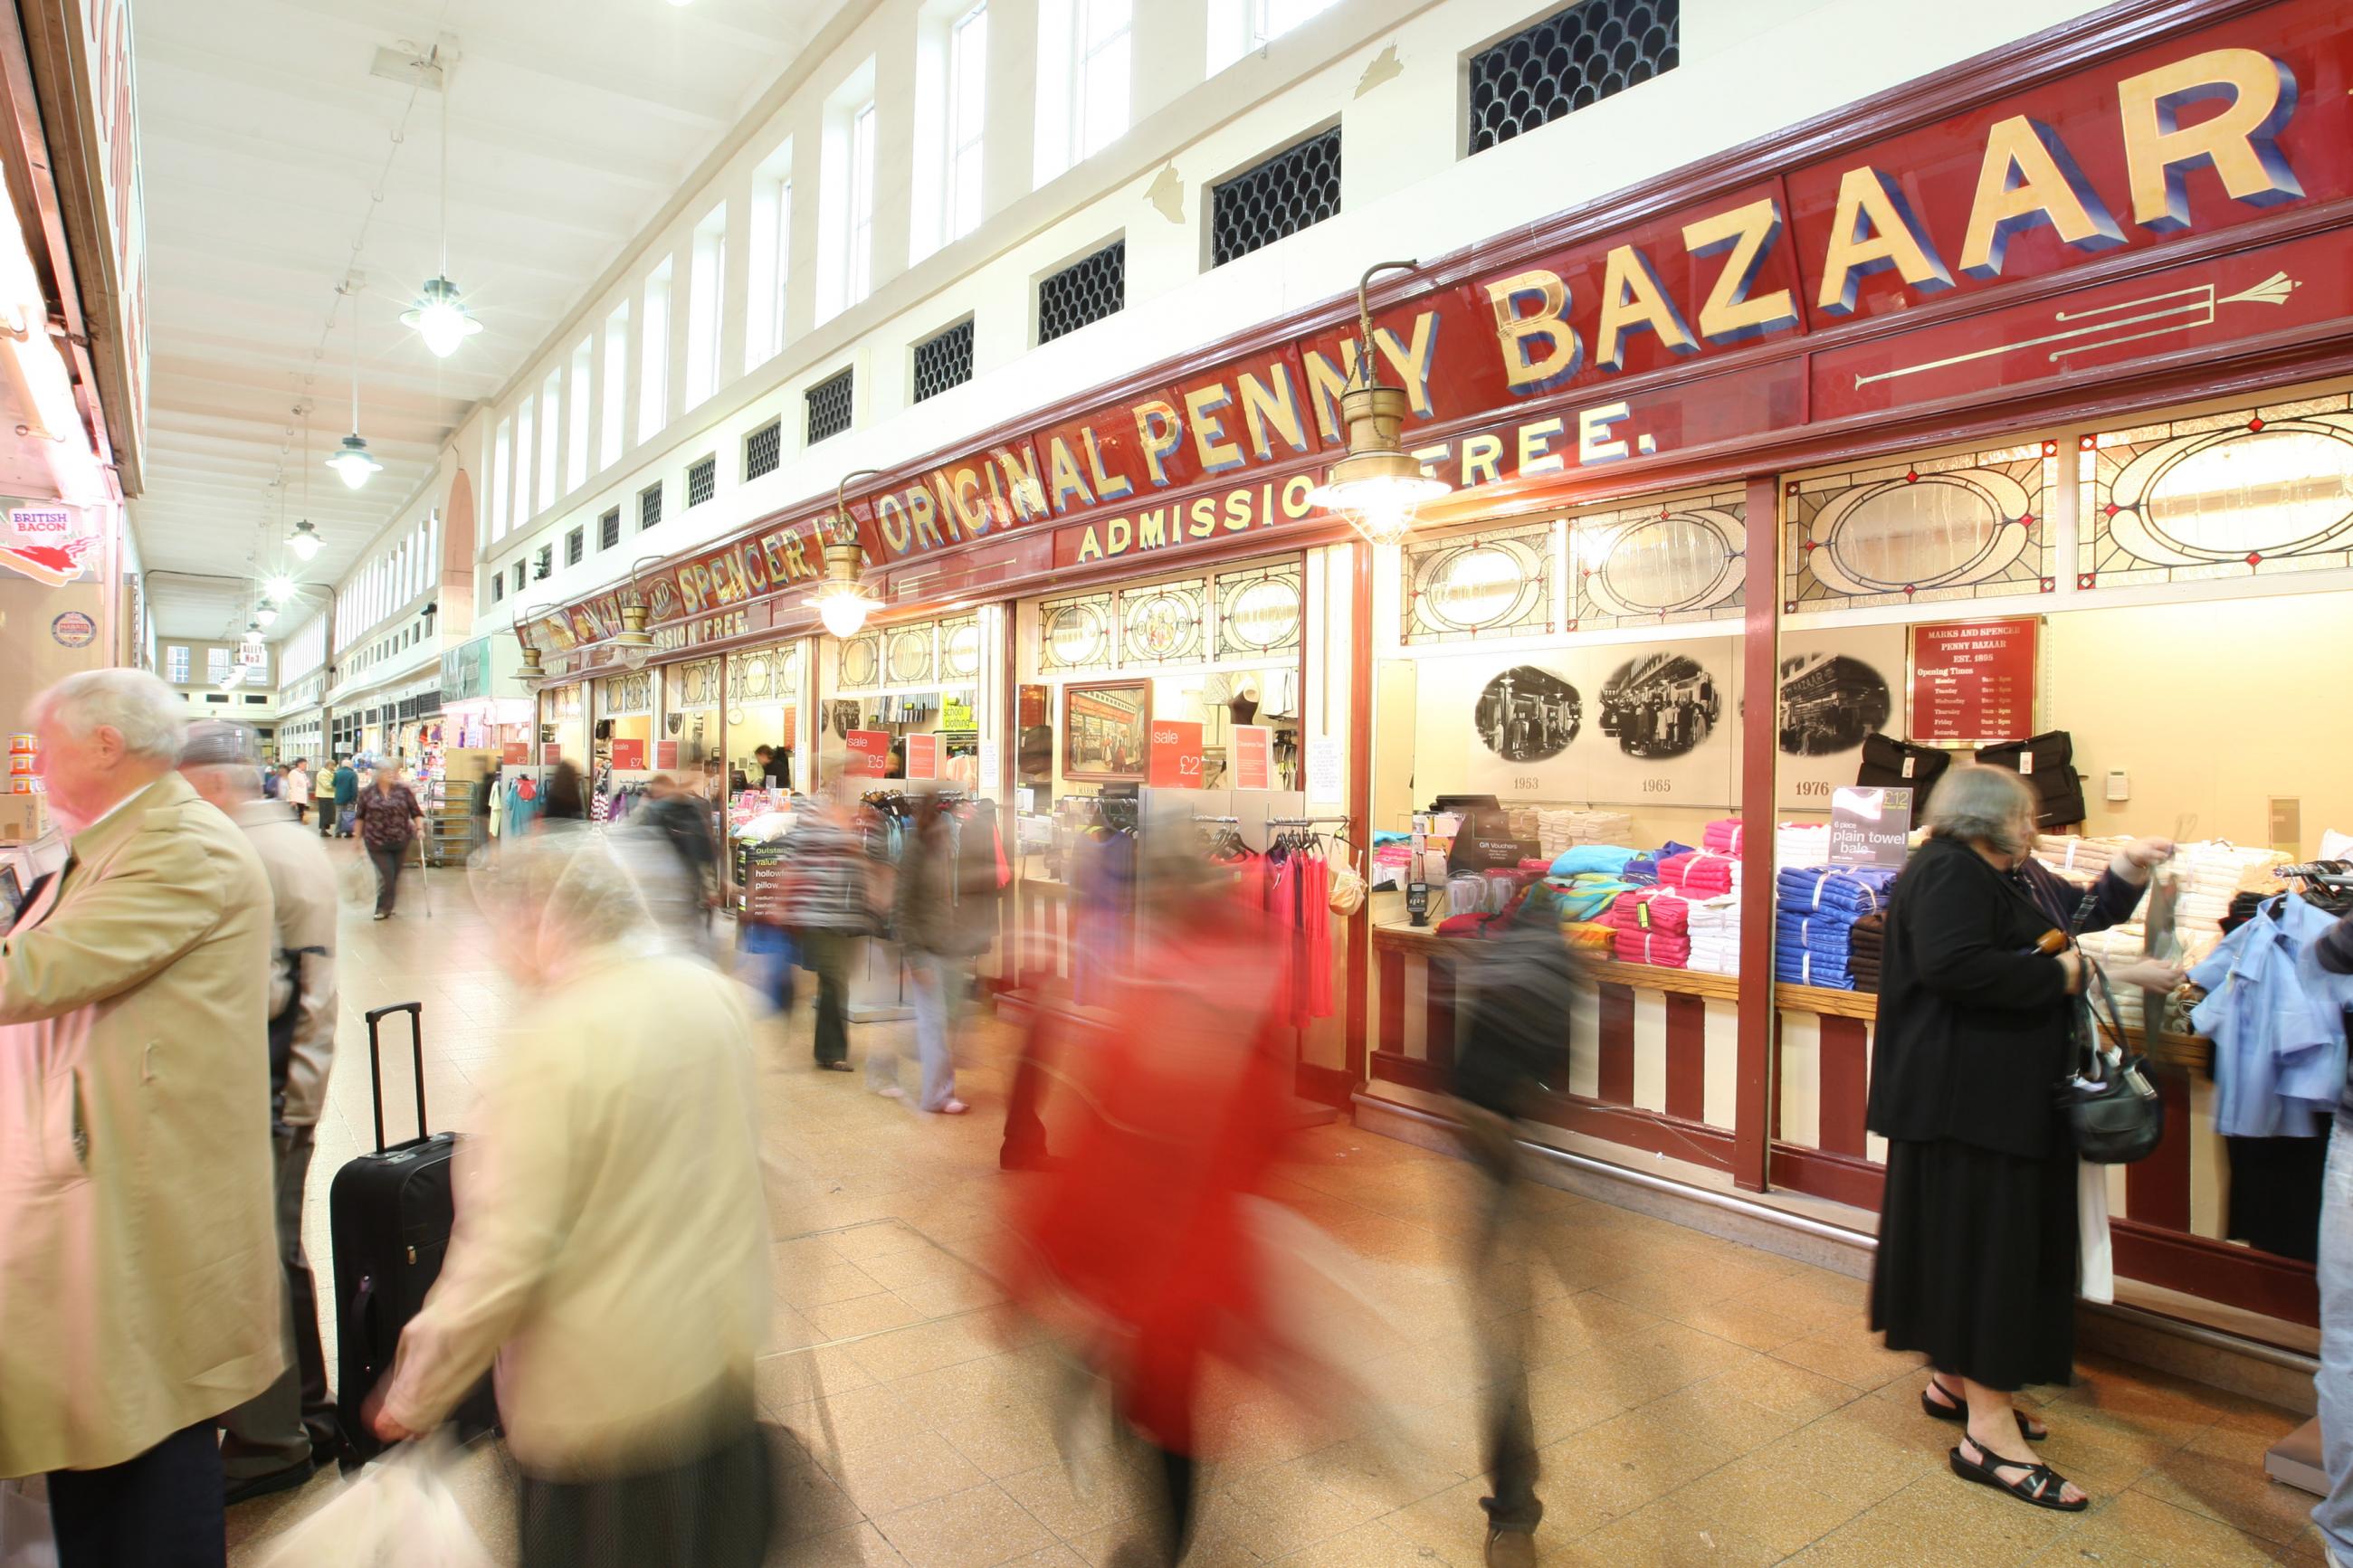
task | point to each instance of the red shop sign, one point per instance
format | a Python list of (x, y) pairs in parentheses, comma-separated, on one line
[(870, 752), (1253, 757), (629, 755), (1973, 682), (1176, 755), (515, 753), (922, 756)]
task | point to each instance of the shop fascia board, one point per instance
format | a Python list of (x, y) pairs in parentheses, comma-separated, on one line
[(2074, 48)]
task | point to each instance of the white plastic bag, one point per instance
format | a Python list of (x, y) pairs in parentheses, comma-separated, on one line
[(25, 1541), (2097, 1268), (398, 1512)]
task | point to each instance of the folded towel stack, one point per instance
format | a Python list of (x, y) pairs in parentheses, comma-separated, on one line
[(1714, 925), (1725, 835), (1801, 844), (1817, 908), (1580, 857), (2112, 948), (1702, 874), (1644, 867), (1587, 896), (1867, 949), (2080, 860), (1653, 928), (2210, 874), (1561, 829), (1596, 938)]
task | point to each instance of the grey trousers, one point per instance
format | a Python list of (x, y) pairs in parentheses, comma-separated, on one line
[(267, 1433), (937, 987), (2335, 1381)]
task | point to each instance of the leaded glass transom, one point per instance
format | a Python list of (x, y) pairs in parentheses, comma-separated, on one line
[(1974, 525), (1479, 585), (1659, 563)]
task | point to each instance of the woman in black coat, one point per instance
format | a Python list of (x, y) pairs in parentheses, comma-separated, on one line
[(1976, 1260)]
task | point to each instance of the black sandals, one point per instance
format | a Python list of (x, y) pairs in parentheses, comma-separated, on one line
[(2041, 1486), (1958, 1413)]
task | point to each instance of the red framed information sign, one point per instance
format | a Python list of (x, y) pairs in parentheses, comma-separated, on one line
[(1973, 682)]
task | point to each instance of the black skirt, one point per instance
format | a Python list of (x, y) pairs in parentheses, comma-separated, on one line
[(1976, 1261), (717, 1509)]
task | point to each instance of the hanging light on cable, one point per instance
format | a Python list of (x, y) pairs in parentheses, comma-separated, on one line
[(280, 588), (305, 541), (352, 460), (267, 614), (840, 601), (439, 316), (1378, 487)]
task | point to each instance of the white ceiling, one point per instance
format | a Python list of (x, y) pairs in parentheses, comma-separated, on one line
[(572, 123)]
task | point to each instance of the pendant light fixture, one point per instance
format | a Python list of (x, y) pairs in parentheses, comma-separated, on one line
[(267, 614), (839, 601), (1378, 487), (439, 316), (304, 542), (351, 460)]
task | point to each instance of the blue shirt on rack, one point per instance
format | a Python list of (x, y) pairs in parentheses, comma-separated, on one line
[(2277, 1021)]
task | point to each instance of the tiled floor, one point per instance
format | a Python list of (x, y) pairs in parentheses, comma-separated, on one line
[(1697, 1402)]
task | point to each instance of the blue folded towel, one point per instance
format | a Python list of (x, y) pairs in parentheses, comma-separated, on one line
[(1804, 968), (1853, 889), (1581, 857)]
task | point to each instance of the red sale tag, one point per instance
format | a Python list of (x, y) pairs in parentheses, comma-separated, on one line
[(515, 753), (922, 756), (665, 754), (1253, 757), (630, 756), (1176, 755), (870, 752)]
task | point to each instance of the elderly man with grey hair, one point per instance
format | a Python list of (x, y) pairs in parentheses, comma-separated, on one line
[(272, 1442), (139, 1277)]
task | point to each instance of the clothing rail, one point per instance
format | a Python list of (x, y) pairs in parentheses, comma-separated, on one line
[(1294, 821)]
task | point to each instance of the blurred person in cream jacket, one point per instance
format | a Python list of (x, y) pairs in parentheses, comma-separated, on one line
[(611, 1249), (139, 1277)]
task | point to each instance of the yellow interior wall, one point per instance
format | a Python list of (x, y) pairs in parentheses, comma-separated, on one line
[(2212, 709)]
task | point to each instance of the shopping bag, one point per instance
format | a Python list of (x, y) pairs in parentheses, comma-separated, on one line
[(25, 1541), (397, 1512), (355, 883), (2096, 1266)]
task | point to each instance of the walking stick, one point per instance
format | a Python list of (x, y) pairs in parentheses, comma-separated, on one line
[(422, 859)]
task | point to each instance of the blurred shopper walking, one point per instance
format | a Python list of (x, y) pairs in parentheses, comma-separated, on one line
[(1515, 1051), (274, 1441), (297, 790), (611, 1249), (139, 1274), (389, 816), (347, 798), (669, 844), (945, 910), (828, 906)]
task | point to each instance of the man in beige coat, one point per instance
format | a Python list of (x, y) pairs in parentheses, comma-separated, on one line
[(139, 1279)]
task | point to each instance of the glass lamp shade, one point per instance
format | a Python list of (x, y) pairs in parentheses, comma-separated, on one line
[(353, 463), (1377, 487), (440, 318), (306, 541), (266, 614), (842, 608), (278, 590)]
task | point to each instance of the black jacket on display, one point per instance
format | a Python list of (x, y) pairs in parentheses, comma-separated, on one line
[(2047, 763), (1974, 1023), (1891, 764)]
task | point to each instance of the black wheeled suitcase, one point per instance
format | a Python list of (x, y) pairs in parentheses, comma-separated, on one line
[(389, 1215)]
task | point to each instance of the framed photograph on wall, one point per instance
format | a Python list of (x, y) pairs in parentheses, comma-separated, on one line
[(1106, 730)]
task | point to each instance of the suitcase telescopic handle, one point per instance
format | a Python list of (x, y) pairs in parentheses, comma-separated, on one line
[(375, 1015)]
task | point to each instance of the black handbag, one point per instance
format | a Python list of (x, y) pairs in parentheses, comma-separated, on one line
[(2114, 1112)]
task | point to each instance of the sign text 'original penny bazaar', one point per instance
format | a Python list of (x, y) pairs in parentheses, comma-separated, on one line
[(1782, 303)]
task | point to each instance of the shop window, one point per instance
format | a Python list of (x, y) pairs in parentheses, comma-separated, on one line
[(1655, 562), (2257, 491), (1087, 290), (608, 529), (702, 480), (960, 649), (944, 361), (763, 450), (861, 661), (1163, 625), (1260, 612), (1969, 526), (694, 685), (1296, 188), (1566, 62), (764, 675), (908, 654), (827, 406), (1077, 632), (650, 502), (1480, 584), (575, 546)]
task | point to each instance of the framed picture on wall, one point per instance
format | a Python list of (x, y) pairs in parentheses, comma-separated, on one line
[(1106, 730)]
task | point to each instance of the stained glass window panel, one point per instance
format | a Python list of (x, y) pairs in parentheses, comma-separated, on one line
[(861, 661), (1261, 611), (1973, 525), (1077, 632), (2252, 493), (1659, 563), (1162, 625), (1480, 584)]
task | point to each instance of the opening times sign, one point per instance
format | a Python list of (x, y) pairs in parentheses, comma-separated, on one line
[(1973, 682)]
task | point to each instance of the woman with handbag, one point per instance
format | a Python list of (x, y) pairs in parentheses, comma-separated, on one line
[(1979, 1006)]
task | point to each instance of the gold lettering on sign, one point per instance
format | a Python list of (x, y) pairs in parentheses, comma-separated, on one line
[(1412, 360), (1547, 324), (1204, 411), (1632, 299), (1873, 229), (1067, 480), (1744, 237), (1022, 491), (2029, 177), (1160, 432), (1272, 406), (2241, 144), (1108, 487), (1326, 383)]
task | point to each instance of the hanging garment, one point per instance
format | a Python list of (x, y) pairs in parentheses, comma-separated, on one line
[(2276, 1024), (1891, 764), (2047, 763)]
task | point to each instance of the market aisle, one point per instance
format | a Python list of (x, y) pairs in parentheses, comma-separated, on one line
[(1699, 1402)]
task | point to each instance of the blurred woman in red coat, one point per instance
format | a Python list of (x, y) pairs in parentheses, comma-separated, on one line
[(1141, 1247)]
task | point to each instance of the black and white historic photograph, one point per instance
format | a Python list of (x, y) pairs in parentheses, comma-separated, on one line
[(1661, 705), (1527, 714), (1830, 701)]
